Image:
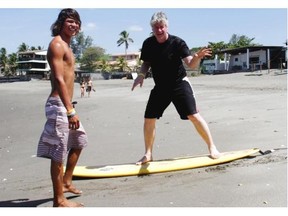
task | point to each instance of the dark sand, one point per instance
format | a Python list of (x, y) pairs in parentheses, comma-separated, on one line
[(243, 110)]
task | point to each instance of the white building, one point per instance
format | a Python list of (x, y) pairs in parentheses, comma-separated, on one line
[(247, 59), (255, 58), (131, 58), (33, 64)]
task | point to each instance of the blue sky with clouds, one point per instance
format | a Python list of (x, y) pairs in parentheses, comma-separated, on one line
[(197, 26)]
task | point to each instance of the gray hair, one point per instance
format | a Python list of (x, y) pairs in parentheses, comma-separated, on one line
[(159, 17)]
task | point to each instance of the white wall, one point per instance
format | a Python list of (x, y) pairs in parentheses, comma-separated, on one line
[(242, 59)]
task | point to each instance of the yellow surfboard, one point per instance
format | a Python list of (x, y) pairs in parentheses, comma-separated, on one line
[(158, 166)]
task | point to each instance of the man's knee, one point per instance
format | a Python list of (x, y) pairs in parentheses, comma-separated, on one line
[(149, 121), (194, 117)]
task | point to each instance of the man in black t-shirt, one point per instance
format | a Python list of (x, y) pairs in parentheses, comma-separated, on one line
[(164, 54)]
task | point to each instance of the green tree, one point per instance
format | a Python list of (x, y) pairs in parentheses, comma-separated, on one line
[(12, 62), (23, 47), (125, 39), (237, 41), (90, 57), (122, 65), (216, 48), (79, 44), (3, 60), (8, 63), (104, 65), (36, 48)]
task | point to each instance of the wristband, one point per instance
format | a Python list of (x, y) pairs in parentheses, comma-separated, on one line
[(71, 113)]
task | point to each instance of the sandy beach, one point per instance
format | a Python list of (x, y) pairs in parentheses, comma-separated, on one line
[(243, 110)]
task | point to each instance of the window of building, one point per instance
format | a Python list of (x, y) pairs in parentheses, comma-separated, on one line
[(254, 60)]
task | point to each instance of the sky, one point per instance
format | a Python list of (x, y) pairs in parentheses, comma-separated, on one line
[(197, 26)]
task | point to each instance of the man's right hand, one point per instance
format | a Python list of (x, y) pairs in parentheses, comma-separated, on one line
[(137, 81), (74, 122)]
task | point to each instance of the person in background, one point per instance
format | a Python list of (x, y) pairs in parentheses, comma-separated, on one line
[(82, 88), (89, 86), (63, 136), (164, 54)]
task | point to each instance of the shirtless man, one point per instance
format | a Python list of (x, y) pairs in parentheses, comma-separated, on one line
[(164, 54), (63, 136), (89, 86)]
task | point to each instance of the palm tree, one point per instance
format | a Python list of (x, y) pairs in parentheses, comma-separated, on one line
[(36, 48), (122, 65), (241, 41), (12, 62), (124, 39), (3, 60), (104, 66), (23, 47), (8, 64), (216, 49)]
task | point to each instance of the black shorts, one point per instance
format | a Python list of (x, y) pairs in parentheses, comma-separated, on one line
[(182, 96), (89, 88)]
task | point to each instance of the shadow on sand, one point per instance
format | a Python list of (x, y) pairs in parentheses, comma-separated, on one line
[(25, 202)]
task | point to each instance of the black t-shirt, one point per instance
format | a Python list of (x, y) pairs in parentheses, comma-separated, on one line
[(165, 59)]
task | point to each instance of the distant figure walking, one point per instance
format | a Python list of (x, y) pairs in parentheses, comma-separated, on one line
[(82, 88), (89, 86)]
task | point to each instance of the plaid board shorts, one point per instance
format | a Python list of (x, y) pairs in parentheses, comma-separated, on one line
[(57, 139)]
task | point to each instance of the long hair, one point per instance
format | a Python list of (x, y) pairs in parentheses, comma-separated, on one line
[(56, 27)]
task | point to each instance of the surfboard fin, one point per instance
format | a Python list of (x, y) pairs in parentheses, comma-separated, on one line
[(266, 152)]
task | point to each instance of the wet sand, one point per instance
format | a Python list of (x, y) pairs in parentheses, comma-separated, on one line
[(243, 110)]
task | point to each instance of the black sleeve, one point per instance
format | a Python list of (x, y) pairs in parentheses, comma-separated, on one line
[(183, 48), (145, 52)]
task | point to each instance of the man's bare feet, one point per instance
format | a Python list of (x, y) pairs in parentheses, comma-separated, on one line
[(67, 203), (71, 189), (214, 153), (145, 159)]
